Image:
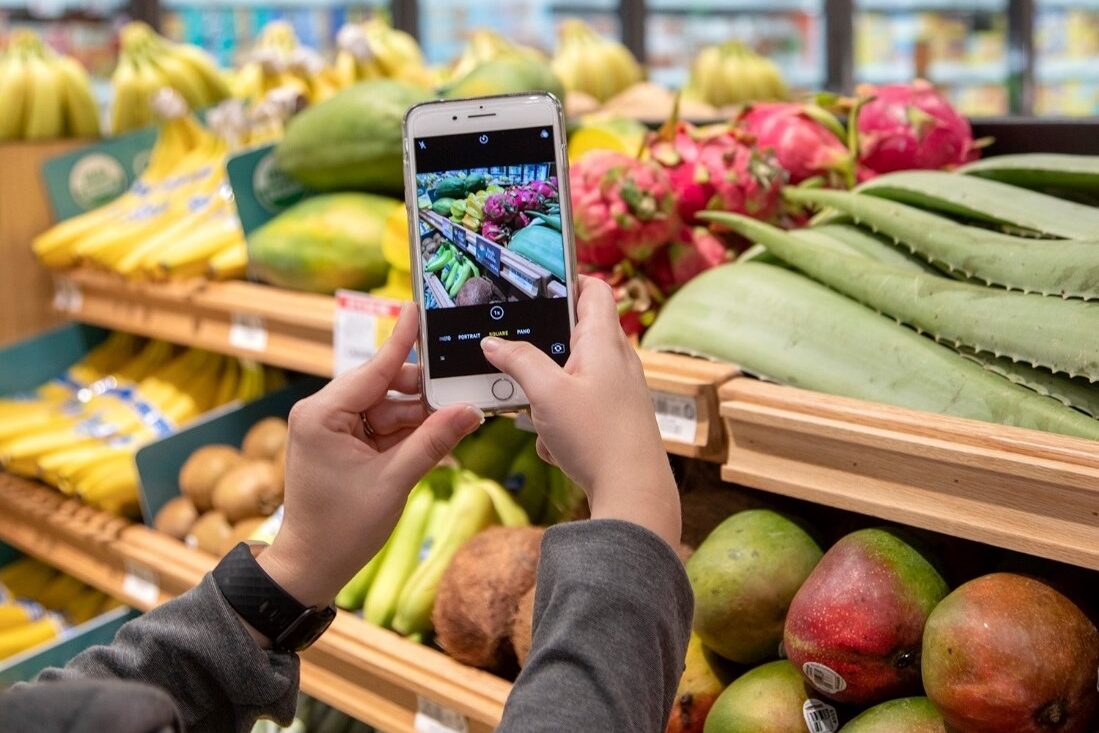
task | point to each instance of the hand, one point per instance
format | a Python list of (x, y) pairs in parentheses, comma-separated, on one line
[(345, 490), (595, 417)]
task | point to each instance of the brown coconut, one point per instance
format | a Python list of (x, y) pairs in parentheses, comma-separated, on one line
[(480, 591), (176, 518), (251, 489), (202, 471), (522, 626), (265, 438)]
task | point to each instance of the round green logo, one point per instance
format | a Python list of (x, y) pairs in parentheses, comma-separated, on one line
[(96, 179), (274, 189)]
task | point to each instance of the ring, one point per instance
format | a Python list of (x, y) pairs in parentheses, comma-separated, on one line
[(366, 425)]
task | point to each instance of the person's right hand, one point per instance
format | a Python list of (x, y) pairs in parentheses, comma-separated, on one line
[(595, 417)]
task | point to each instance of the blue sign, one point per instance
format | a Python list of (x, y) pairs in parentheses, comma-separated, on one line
[(488, 254)]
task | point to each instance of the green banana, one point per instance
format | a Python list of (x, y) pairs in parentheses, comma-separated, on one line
[(507, 509), (353, 595), (463, 274), (401, 559), (528, 480), (471, 511), (440, 260)]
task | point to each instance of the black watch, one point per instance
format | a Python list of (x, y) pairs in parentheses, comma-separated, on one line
[(261, 602)]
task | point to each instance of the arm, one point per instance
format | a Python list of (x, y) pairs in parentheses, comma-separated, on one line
[(612, 617)]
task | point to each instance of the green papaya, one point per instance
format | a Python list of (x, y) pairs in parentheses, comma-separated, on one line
[(541, 245), (442, 206), (324, 243), (451, 187), (475, 182), (507, 75), (351, 140)]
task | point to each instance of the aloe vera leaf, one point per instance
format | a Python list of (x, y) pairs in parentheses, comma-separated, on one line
[(857, 241), (1065, 267), (1060, 335), (759, 253), (1040, 170), (782, 325), (988, 201), (1078, 393)]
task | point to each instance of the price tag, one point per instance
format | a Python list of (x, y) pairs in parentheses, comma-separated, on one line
[(67, 296), (140, 584), (488, 254), (676, 416), (363, 323), (431, 717), (460, 237), (248, 332), (820, 717)]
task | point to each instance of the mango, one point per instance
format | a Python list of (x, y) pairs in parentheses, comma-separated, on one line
[(906, 715), (855, 627), (768, 699), (1007, 652), (704, 677), (744, 575)]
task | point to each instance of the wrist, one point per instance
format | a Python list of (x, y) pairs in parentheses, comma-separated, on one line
[(287, 565)]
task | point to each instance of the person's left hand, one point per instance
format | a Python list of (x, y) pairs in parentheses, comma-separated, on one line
[(346, 489)]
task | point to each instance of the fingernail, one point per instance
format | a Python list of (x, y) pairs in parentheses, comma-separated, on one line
[(490, 344), (469, 419)]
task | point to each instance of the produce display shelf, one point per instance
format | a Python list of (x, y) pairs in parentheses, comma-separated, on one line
[(1020, 489), (294, 330), (367, 672)]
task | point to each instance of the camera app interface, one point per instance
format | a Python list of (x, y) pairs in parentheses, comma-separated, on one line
[(492, 250)]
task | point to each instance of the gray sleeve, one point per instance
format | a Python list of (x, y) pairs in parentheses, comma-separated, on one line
[(612, 616), (197, 650)]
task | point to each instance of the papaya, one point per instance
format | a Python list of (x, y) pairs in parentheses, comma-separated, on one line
[(542, 245), (512, 74), (351, 141), (395, 245), (325, 243), (451, 187)]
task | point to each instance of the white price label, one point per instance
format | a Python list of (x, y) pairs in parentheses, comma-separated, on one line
[(363, 323), (431, 717), (67, 296), (824, 678), (820, 717), (248, 332), (141, 584), (676, 416)]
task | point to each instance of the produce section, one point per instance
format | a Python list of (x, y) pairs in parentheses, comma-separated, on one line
[(868, 337)]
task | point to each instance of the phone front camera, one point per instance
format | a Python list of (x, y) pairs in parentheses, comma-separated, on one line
[(455, 117)]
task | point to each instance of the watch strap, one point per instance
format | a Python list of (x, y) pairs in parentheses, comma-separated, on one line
[(259, 600)]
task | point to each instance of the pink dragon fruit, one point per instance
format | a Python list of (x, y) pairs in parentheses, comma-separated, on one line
[(544, 189), (807, 140), (496, 232), (621, 207), (494, 209), (637, 297), (909, 126), (713, 169), (529, 199)]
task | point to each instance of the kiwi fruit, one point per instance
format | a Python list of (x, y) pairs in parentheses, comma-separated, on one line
[(242, 530), (203, 469), (479, 592), (176, 517), (252, 489), (522, 626), (265, 438), (210, 532)]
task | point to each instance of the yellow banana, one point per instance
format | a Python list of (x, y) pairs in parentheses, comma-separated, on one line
[(182, 77), (26, 577), (44, 120), (15, 91), (26, 637), (230, 263), (13, 615), (60, 591), (81, 110)]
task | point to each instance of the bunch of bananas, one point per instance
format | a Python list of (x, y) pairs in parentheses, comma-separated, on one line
[(37, 604), (80, 433), (147, 63), (731, 73), (485, 45), (45, 95), (178, 220), (587, 62), (279, 61), (376, 50), (397, 587)]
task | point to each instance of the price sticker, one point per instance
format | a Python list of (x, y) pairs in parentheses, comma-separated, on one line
[(141, 584), (431, 717), (820, 717), (363, 323), (248, 332), (67, 296), (676, 416)]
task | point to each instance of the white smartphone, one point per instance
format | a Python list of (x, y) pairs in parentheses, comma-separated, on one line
[(486, 185)]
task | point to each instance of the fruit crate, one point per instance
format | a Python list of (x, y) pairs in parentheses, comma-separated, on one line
[(1024, 490)]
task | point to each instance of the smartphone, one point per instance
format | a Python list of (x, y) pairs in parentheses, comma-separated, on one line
[(486, 186)]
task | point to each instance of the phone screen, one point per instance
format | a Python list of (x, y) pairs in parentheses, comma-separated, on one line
[(492, 251)]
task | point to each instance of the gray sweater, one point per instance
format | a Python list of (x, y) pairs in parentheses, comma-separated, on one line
[(611, 620)]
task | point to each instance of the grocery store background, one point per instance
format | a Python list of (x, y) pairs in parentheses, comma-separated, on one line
[(993, 57)]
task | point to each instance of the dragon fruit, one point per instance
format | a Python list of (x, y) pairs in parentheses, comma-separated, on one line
[(637, 297), (713, 169), (908, 126), (494, 209), (528, 198), (496, 232), (694, 251), (622, 207), (544, 189), (807, 140)]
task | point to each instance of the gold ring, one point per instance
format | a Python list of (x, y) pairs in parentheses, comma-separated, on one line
[(366, 425)]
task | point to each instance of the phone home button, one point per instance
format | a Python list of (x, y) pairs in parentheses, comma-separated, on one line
[(503, 389)]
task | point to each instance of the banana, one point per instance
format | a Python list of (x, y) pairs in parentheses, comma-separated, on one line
[(60, 591), (353, 595), (26, 577), (30, 635), (85, 606), (229, 382), (506, 508), (471, 511), (204, 65), (81, 110), (44, 120), (182, 77), (400, 559), (14, 615), (230, 263), (587, 62), (126, 96), (15, 91)]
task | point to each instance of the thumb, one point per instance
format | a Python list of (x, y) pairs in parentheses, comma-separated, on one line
[(522, 361), (433, 441)]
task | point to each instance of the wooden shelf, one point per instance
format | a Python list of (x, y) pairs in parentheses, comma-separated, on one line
[(294, 330), (367, 672), (1021, 489)]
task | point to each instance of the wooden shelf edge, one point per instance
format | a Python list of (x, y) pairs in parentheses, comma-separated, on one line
[(370, 673), (1020, 489)]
